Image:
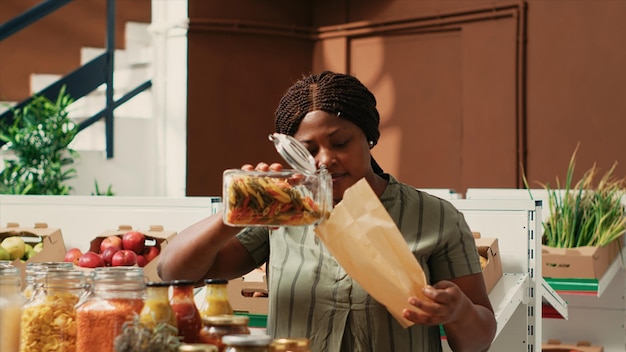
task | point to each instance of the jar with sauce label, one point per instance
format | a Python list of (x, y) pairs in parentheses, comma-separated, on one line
[(214, 328), (290, 345), (247, 343), (11, 302), (156, 306), (216, 298), (291, 197), (188, 318)]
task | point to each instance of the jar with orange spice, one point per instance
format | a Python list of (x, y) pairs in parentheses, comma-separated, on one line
[(48, 321), (116, 297)]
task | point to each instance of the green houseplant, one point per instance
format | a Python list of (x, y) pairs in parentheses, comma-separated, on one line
[(39, 137), (584, 213)]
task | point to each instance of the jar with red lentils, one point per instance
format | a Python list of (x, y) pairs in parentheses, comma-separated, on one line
[(116, 297)]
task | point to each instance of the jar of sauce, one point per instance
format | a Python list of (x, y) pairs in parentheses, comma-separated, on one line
[(187, 314), (11, 302), (156, 306), (214, 328), (216, 298)]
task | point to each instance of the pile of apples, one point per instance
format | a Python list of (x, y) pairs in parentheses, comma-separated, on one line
[(127, 250)]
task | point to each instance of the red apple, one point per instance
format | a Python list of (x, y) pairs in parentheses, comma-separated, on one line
[(73, 255), (110, 241), (90, 260), (141, 261), (151, 252), (124, 257), (108, 253), (134, 241)]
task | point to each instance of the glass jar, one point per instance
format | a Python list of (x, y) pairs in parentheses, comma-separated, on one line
[(48, 321), (247, 343), (291, 197), (216, 327), (116, 297), (33, 269), (290, 345), (11, 302), (188, 318), (215, 298), (156, 306)]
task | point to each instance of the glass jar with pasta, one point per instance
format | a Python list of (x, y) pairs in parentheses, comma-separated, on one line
[(48, 319), (291, 197)]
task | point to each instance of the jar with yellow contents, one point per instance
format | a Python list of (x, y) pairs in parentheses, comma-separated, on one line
[(48, 319), (216, 298), (156, 308)]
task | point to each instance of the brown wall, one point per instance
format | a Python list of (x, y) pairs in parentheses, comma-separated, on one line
[(464, 102), (52, 45)]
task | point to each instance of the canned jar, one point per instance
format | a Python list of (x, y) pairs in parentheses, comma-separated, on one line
[(216, 300), (156, 306), (291, 197), (300, 344), (117, 295), (48, 321), (197, 347), (11, 302), (214, 328), (188, 319), (247, 343)]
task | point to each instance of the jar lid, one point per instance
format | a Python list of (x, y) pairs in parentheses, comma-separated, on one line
[(226, 319), (182, 283), (294, 153), (293, 342), (157, 284), (215, 281), (246, 340), (197, 347)]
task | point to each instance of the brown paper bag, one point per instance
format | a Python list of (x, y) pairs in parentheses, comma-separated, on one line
[(366, 242)]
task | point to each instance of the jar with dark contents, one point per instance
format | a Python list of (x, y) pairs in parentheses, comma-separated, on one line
[(216, 298), (216, 327), (116, 297), (300, 344), (247, 343), (187, 314)]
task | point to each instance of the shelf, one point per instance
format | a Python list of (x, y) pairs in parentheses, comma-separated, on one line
[(506, 296), (553, 306)]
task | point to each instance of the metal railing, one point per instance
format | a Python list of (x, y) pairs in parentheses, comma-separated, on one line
[(84, 79)]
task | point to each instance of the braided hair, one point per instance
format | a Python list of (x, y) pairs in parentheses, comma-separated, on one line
[(335, 93)]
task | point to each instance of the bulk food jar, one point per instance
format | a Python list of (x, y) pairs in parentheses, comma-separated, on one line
[(34, 269), (292, 197), (116, 297), (10, 307), (48, 320)]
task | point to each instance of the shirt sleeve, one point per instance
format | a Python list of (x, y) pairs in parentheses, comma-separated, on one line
[(256, 241)]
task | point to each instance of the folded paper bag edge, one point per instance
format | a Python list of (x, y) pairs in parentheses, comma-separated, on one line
[(337, 228)]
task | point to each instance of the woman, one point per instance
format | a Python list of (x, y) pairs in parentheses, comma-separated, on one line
[(334, 115)]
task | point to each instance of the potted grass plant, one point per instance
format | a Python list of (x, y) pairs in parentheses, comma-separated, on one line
[(586, 222)]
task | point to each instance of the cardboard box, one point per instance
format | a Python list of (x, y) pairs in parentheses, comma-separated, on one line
[(581, 346), (52, 239), (242, 299), (155, 236), (582, 262), (488, 248)]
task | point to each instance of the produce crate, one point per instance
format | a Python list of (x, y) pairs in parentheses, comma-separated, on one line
[(488, 248), (581, 346), (586, 262), (51, 239)]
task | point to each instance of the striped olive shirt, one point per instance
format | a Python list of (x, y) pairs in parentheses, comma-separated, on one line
[(312, 296)]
